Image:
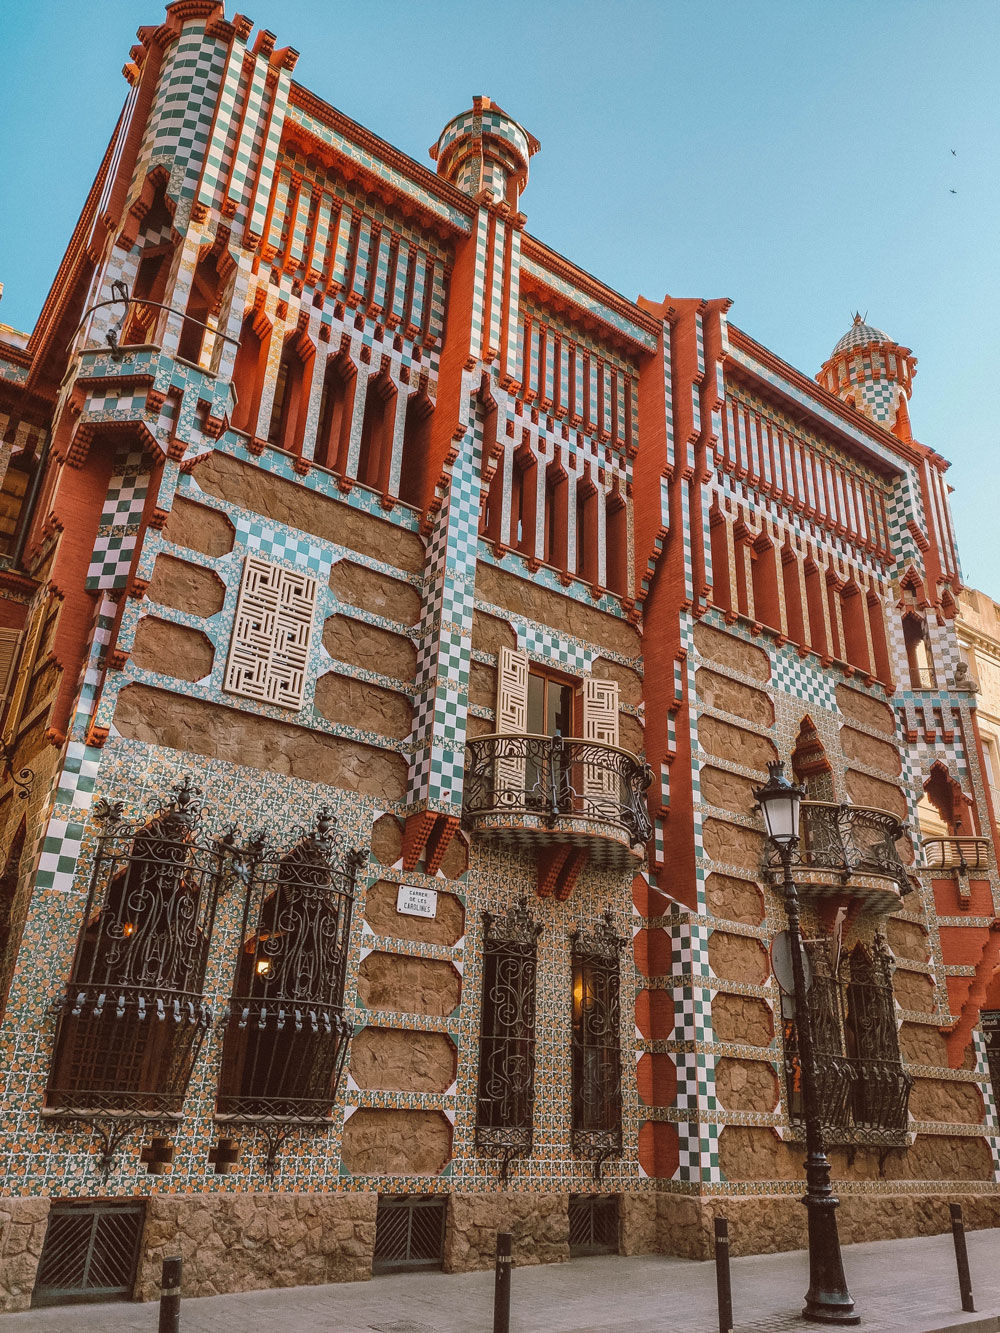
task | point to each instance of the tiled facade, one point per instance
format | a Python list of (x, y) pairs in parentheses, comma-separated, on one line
[(357, 434)]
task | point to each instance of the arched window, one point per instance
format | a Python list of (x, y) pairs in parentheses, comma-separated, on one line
[(286, 1031), (505, 1099), (336, 408), (250, 369), (153, 272), (596, 1043), (416, 446), (291, 394), (375, 456), (918, 653), (133, 1016)]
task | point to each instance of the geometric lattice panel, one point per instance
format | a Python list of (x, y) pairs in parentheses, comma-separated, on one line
[(272, 633)]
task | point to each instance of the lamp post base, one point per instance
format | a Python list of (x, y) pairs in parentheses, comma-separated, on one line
[(828, 1300)]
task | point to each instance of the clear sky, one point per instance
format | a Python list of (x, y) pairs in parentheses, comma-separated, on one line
[(793, 155)]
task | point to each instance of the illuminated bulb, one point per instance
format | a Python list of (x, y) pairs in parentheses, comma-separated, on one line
[(263, 967), (127, 929)]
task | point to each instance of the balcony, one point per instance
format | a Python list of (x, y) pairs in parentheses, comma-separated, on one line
[(543, 790), (956, 853), (850, 849)]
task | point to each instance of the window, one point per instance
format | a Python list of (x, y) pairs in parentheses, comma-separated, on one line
[(617, 544), (133, 1016), (286, 1030), (523, 501), (862, 1088), (507, 1036), (203, 305), (918, 657), (586, 530), (556, 488), (596, 1043)]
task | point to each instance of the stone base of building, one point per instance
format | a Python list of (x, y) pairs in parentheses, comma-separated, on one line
[(768, 1223), (248, 1242)]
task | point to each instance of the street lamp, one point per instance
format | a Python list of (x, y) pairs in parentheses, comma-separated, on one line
[(827, 1301)]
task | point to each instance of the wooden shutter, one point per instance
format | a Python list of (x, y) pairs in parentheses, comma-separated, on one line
[(16, 690), (600, 725), (10, 640), (511, 719)]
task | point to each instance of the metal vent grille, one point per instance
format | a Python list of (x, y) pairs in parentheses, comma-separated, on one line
[(593, 1224), (409, 1233), (90, 1253)]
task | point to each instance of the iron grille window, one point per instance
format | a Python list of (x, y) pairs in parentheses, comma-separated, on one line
[(409, 1233), (597, 1065), (287, 1032), (507, 1036), (90, 1253), (862, 1088), (593, 1224), (133, 1015)]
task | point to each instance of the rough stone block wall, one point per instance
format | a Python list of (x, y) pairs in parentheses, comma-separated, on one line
[(22, 1234), (248, 1242)]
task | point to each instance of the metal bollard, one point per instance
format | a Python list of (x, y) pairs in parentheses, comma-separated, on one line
[(961, 1257), (501, 1290), (722, 1281), (170, 1296)]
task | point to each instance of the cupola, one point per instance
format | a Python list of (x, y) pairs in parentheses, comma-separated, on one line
[(874, 374), (486, 153)]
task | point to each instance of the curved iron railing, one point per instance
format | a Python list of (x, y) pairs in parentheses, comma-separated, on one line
[(555, 778), (849, 839)]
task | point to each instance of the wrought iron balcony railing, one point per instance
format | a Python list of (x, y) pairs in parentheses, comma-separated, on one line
[(956, 853), (849, 839), (555, 779)]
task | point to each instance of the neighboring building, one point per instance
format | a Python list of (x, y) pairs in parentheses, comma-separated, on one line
[(399, 621), (978, 628)]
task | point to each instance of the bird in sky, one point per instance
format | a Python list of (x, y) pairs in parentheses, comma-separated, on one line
[(953, 192), (953, 153)]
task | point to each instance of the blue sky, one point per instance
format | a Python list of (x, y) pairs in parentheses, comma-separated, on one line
[(790, 154)]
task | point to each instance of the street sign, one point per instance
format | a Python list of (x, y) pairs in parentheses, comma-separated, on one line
[(411, 901)]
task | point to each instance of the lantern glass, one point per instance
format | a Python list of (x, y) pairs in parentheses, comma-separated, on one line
[(779, 801)]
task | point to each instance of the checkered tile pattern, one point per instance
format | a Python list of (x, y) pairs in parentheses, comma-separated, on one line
[(114, 546), (989, 1098)]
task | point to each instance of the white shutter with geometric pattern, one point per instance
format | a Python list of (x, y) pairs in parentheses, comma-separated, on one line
[(600, 725), (272, 634), (511, 715)]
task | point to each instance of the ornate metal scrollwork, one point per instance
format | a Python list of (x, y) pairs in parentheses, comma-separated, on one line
[(22, 778), (862, 1088), (133, 1015), (556, 778), (596, 1043), (286, 1028), (849, 839), (505, 1101)]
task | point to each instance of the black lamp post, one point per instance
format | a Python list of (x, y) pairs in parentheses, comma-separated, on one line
[(827, 1301)]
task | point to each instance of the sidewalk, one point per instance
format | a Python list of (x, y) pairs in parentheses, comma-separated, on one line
[(906, 1286)]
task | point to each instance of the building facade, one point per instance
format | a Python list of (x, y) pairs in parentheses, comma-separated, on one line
[(397, 622)]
